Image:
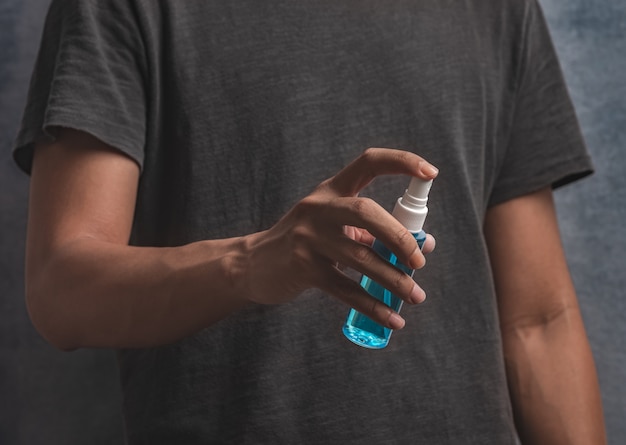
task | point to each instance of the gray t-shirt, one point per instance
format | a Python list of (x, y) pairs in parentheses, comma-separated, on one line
[(235, 110)]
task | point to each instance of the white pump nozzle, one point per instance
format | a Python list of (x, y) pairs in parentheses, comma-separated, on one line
[(417, 193), (411, 208)]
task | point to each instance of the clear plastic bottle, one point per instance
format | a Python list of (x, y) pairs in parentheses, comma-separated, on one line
[(411, 211)]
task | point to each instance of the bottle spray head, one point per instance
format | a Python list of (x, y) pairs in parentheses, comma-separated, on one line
[(411, 208), (417, 193)]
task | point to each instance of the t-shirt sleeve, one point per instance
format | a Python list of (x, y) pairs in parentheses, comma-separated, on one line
[(89, 75), (546, 146)]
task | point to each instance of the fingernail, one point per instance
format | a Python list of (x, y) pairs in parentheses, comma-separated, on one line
[(417, 294), (429, 170), (395, 321)]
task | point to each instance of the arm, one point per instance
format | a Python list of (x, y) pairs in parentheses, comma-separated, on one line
[(85, 286), (550, 369)]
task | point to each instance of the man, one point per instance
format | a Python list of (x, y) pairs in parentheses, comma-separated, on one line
[(196, 170)]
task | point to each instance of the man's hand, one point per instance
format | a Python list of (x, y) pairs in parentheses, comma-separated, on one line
[(332, 227)]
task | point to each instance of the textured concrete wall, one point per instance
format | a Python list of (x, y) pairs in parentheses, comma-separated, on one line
[(56, 398)]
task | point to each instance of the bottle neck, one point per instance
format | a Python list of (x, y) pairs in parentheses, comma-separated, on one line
[(410, 214)]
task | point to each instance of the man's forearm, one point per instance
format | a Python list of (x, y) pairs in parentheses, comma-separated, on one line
[(86, 287), (553, 382), (99, 294), (550, 368)]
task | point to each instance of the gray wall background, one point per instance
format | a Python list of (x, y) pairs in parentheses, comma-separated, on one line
[(51, 397)]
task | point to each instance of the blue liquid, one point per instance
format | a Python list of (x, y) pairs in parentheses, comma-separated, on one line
[(361, 329)]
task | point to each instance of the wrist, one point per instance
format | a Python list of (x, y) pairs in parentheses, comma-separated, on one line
[(237, 268)]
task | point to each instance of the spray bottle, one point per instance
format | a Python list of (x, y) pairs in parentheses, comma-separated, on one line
[(411, 211)]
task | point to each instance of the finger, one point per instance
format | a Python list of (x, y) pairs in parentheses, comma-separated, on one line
[(367, 214), (359, 235), (342, 287), (379, 161), (365, 260), (429, 244)]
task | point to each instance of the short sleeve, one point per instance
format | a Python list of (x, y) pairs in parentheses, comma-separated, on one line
[(89, 75), (546, 146)]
